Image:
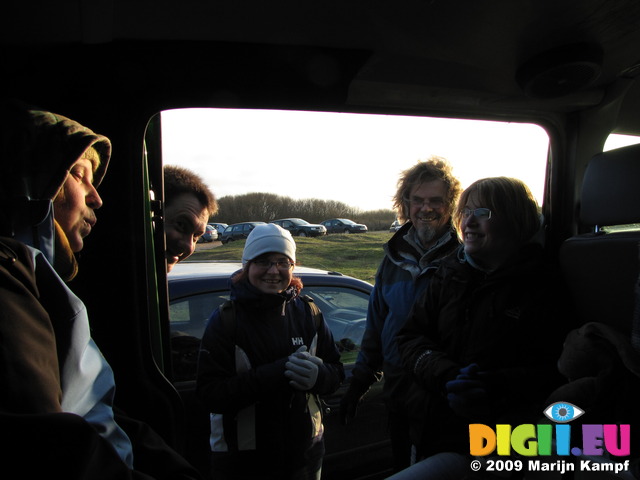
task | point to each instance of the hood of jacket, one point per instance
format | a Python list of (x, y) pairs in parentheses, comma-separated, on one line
[(529, 258), (37, 150)]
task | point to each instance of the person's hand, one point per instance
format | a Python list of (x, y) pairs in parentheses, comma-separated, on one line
[(467, 393), (350, 400), (302, 369)]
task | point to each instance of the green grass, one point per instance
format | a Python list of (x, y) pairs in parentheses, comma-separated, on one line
[(356, 255)]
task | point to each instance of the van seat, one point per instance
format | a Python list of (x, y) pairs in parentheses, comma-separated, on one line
[(601, 269)]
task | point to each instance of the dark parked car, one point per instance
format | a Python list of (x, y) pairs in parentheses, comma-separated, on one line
[(196, 289), (343, 225), (238, 231), (301, 228), (210, 235)]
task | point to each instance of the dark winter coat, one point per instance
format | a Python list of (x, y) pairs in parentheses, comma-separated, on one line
[(510, 322), (56, 388), (268, 328), (401, 278)]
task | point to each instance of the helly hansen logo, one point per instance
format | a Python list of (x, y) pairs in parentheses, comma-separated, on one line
[(297, 341)]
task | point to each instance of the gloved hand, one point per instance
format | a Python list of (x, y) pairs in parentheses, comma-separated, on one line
[(350, 400), (302, 369), (467, 393)]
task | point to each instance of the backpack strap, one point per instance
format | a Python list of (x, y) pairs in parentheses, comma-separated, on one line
[(315, 311), (246, 417), (228, 316), (317, 319)]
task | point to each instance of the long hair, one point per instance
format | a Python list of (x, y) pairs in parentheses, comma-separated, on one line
[(510, 198)]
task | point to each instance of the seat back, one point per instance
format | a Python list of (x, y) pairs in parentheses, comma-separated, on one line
[(601, 268)]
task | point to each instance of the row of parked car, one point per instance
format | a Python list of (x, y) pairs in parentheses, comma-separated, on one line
[(297, 226)]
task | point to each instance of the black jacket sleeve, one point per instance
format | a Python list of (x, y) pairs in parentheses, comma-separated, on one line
[(417, 341), (219, 386)]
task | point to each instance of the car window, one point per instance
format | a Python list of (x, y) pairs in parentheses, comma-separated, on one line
[(344, 309), (618, 141), (188, 318)]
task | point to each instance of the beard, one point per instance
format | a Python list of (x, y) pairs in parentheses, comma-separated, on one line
[(429, 227), (426, 235)]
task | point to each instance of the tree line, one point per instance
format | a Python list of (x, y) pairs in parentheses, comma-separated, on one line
[(266, 207)]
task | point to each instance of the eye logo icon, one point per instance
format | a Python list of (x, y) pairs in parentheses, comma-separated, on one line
[(563, 412)]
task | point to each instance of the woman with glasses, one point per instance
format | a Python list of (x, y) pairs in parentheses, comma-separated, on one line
[(482, 342), (264, 359)]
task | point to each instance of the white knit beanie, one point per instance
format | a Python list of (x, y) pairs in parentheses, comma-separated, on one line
[(268, 238)]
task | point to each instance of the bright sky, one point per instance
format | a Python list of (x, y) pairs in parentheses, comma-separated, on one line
[(352, 158)]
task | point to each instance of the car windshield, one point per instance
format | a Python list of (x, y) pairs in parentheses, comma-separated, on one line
[(348, 222), (299, 221)]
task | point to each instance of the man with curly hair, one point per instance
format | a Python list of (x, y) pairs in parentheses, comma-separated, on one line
[(425, 198)]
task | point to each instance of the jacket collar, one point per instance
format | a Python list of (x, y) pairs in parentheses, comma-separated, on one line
[(244, 292)]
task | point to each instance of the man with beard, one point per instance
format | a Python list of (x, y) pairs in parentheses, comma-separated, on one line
[(424, 200)]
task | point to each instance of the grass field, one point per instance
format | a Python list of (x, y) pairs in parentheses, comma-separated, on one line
[(356, 255)]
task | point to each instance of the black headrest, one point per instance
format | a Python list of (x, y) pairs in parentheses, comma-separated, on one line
[(611, 188)]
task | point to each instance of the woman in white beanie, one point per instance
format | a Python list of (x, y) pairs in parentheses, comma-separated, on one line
[(263, 361)]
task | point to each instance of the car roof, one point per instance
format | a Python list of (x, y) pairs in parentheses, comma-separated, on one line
[(245, 223), (215, 275)]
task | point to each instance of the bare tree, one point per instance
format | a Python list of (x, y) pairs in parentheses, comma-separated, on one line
[(260, 206)]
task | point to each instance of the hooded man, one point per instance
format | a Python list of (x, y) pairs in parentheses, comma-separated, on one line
[(49, 365)]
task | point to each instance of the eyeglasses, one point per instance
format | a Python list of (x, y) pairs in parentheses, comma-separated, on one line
[(435, 202), (480, 213), (267, 264)]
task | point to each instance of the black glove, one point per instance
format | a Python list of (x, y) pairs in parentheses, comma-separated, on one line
[(467, 394), (349, 402)]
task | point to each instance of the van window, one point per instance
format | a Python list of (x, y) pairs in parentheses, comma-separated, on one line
[(351, 158), (618, 141)]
